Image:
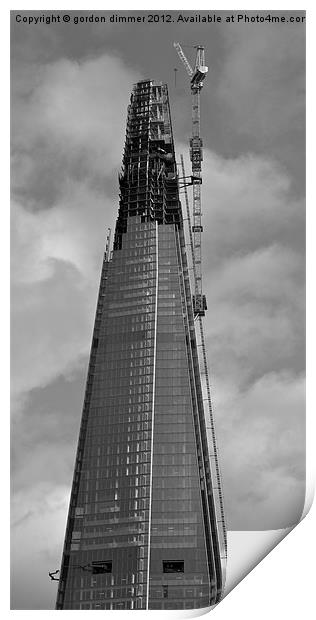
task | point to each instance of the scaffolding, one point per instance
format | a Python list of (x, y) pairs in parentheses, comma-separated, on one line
[(148, 178)]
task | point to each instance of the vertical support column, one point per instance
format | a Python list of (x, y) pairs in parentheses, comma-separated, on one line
[(152, 422)]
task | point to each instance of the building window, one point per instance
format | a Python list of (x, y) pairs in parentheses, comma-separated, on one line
[(170, 566), (101, 567)]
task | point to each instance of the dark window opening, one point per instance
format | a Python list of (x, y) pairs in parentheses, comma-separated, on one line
[(165, 591), (173, 567), (95, 343), (101, 567)]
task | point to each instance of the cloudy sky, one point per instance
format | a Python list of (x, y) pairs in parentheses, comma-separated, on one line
[(70, 90)]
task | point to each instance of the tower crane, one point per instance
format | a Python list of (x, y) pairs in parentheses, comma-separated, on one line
[(197, 76)]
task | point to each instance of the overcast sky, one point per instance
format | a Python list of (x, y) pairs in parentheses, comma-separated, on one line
[(70, 89)]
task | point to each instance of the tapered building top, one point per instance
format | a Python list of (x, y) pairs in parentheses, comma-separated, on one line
[(143, 528)]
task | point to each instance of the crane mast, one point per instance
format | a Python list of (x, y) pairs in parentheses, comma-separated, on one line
[(197, 76)]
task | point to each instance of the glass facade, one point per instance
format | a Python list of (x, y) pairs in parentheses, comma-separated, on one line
[(142, 531)]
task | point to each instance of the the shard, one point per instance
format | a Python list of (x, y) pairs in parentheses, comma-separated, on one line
[(145, 527)]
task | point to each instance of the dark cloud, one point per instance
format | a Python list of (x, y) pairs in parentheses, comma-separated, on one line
[(44, 441), (264, 71), (255, 195), (67, 125), (49, 429), (261, 431), (261, 92)]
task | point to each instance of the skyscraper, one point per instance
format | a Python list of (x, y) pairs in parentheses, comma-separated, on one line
[(145, 527)]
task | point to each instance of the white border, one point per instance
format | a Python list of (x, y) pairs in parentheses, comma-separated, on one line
[(282, 585)]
